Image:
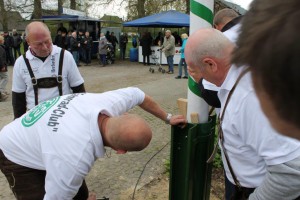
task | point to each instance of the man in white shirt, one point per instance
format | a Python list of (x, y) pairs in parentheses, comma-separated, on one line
[(258, 158), (227, 21), (46, 71), (49, 150), (272, 53)]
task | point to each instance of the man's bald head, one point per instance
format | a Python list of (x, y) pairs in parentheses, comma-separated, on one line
[(34, 27), (39, 39), (207, 45), (128, 132)]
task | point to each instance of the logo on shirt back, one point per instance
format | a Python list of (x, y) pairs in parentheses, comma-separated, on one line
[(38, 111)]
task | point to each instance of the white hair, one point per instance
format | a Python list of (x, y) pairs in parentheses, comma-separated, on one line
[(29, 26), (212, 46)]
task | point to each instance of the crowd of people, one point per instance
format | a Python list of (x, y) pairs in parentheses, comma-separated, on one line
[(244, 67)]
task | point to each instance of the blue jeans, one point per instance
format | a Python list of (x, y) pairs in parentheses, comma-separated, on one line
[(76, 56), (103, 59), (170, 61), (87, 55), (122, 52), (182, 62)]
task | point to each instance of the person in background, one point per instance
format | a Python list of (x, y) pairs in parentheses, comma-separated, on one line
[(56, 39), (17, 44), (87, 45), (9, 43), (159, 40), (107, 36), (44, 72), (123, 42), (178, 41), (168, 48), (61, 39), (3, 71), (25, 44), (80, 37), (228, 21), (271, 50), (102, 49), (75, 46), (146, 42), (134, 40), (114, 41), (182, 62), (69, 36)]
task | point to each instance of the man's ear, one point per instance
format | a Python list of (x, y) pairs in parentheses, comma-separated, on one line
[(211, 64), (121, 151)]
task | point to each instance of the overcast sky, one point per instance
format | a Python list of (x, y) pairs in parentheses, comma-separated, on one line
[(116, 9)]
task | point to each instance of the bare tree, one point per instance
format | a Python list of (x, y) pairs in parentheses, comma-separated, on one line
[(4, 15), (37, 9), (73, 4), (188, 6), (60, 7)]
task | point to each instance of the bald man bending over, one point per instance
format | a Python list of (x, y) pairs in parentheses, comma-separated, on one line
[(44, 72), (47, 152)]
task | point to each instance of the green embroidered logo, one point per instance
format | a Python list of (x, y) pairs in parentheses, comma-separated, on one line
[(38, 111)]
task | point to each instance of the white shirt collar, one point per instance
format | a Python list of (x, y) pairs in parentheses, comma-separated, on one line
[(55, 50), (231, 77)]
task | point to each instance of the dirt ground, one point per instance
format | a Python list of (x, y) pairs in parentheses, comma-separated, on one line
[(117, 174), (158, 189)]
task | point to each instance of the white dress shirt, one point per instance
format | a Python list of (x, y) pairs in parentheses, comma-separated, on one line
[(250, 141), (49, 68)]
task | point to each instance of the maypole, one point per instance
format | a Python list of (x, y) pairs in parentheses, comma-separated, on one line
[(201, 16), (190, 174)]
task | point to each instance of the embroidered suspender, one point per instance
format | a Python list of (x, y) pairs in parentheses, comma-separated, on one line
[(220, 132), (47, 82)]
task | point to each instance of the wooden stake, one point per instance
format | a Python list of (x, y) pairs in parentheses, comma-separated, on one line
[(195, 118), (182, 106)]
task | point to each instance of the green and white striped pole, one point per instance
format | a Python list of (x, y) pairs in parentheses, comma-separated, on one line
[(201, 16)]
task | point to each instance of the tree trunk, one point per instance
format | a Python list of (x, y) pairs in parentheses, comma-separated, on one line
[(187, 6), (141, 8), (73, 4), (60, 7), (37, 9), (4, 16)]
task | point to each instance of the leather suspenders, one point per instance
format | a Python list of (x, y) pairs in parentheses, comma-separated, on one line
[(220, 132), (47, 82)]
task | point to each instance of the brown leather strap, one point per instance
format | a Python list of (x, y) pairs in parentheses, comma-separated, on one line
[(221, 136), (36, 81), (33, 80), (60, 67), (220, 131)]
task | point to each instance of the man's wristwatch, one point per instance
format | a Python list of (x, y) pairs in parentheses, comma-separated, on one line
[(169, 116)]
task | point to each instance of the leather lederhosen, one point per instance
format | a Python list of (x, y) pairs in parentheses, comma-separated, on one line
[(46, 82)]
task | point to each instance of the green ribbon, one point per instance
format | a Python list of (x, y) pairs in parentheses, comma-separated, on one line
[(202, 11), (193, 86)]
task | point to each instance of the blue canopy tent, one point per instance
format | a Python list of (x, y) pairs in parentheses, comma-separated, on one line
[(169, 18)]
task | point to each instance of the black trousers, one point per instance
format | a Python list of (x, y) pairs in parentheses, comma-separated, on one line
[(29, 184), (144, 59)]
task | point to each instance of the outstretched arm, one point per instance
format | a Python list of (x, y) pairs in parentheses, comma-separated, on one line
[(152, 107)]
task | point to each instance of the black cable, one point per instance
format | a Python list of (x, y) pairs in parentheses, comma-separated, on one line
[(145, 168)]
